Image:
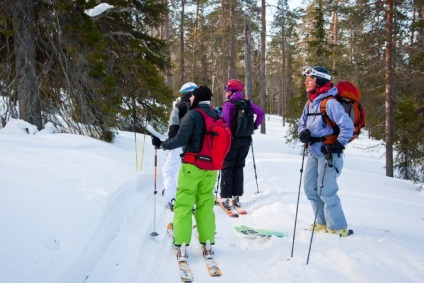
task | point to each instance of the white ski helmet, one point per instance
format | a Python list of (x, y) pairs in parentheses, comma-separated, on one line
[(190, 86)]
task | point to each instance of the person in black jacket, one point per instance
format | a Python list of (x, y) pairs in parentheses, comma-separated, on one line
[(195, 185)]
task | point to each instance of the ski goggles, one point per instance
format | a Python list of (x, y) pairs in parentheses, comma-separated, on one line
[(227, 88), (309, 71)]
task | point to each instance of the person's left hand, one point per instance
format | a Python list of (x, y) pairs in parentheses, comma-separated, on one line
[(336, 147), (156, 141)]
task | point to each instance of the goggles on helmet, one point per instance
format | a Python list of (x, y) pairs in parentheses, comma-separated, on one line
[(191, 88), (309, 72), (227, 88)]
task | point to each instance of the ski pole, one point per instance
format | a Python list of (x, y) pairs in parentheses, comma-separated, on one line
[(316, 211), (154, 233), (144, 141), (217, 186), (254, 167), (298, 197), (135, 141)]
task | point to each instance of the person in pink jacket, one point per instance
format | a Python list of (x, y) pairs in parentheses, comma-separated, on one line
[(232, 171)]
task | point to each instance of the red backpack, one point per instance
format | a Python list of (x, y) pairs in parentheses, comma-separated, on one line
[(349, 96), (216, 144)]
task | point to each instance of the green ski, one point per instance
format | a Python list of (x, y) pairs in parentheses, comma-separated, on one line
[(249, 231)]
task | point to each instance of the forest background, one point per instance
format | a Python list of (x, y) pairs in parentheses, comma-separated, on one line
[(122, 68)]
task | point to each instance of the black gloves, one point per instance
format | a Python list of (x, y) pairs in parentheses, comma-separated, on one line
[(337, 147), (156, 141), (305, 135)]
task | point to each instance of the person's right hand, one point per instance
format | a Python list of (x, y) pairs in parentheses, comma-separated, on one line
[(305, 135), (156, 141)]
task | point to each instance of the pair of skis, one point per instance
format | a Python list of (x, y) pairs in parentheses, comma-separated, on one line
[(234, 212), (186, 274)]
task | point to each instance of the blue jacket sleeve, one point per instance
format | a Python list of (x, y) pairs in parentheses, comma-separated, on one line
[(302, 121)]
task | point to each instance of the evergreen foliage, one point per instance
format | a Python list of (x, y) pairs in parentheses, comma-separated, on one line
[(409, 161), (89, 68), (97, 74)]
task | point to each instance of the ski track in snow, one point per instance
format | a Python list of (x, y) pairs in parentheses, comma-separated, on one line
[(109, 212)]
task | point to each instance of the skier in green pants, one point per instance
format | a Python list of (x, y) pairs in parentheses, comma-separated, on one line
[(195, 185)]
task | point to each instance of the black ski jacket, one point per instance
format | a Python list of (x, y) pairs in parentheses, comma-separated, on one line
[(191, 132)]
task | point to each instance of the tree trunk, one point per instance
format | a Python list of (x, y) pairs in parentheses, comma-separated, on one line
[(335, 31), (232, 61), (224, 56), (196, 59), (263, 47), (355, 49), (26, 77), (389, 74), (182, 63), (282, 98), (168, 42), (248, 58)]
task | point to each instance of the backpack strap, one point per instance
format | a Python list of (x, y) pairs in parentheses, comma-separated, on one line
[(191, 157), (329, 139), (236, 103)]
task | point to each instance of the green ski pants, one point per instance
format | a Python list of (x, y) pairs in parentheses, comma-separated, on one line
[(195, 186)]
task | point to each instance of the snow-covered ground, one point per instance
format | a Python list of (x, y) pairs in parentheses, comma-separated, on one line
[(75, 209)]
